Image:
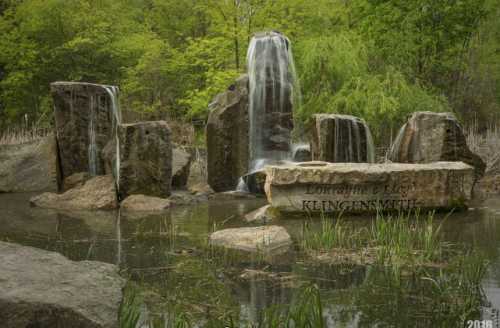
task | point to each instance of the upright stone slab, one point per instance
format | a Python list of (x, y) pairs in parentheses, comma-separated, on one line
[(227, 137), (145, 159), (361, 187), (430, 137), (84, 124), (341, 139)]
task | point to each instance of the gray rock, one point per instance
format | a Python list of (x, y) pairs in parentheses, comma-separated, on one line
[(255, 239), (181, 162), (145, 159), (255, 181), (77, 106), (98, 193), (44, 289), (431, 137), (227, 137), (341, 139), (29, 167), (362, 187), (142, 203)]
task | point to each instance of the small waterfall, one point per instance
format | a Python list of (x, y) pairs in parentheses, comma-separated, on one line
[(272, 87), (92, 149), (352, 140), (393, 153), (117, 119)]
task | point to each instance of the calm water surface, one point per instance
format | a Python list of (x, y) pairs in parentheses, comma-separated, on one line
[(166, 257)]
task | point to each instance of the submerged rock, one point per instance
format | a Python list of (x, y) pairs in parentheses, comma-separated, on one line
[(142, 203), (432, 137), (45, 290), (254, 239), (84, 121), (181, 162), (29, 167), (227, 137), (363, 187), (145, 159), (341, 139), (98, 193), (260, 215)]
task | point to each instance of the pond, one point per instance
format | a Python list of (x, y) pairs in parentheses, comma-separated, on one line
[(174, 274)]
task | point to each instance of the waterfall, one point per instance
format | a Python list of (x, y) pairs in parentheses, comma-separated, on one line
[(117, 119), (352, 140), (272, 86), (93, 149)]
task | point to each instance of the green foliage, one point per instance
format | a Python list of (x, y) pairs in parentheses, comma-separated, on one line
[(378, 59)]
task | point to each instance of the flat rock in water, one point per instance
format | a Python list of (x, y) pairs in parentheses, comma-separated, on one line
[(97, 193), (362, 187), (45, 290), (142, 203), (254, 239)]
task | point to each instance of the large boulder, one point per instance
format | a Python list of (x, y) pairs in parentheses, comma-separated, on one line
[(45, 290), (98, 193), (85, 115), (255, 239), (363, 187), (29, 167), (181, 163), (145, 159), (431, 137), (341, 139), (227, 137)]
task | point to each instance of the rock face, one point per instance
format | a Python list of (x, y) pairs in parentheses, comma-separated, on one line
[(341, 139), (84, 115), (360, 187), (181, 162), (431, 137), (227, 137), (145, 203), (29, 167), (97, 193), (264, 239), (45, 290), (145, 159)]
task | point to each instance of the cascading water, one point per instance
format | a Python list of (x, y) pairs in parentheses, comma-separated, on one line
[(117, 119), (352, 141), (272, 88), (92, 149)]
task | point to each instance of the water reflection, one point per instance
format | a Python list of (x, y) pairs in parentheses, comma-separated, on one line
[(166, 256)]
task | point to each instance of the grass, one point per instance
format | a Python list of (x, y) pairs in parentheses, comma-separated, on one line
[(17, 135), (405, 238)]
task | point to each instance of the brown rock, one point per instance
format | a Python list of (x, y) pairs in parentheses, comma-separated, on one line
[(145, 203), (77, 108), (97, 193), (431, 137), (75, 180), (145, 159), (227, 137), (255, 239)]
